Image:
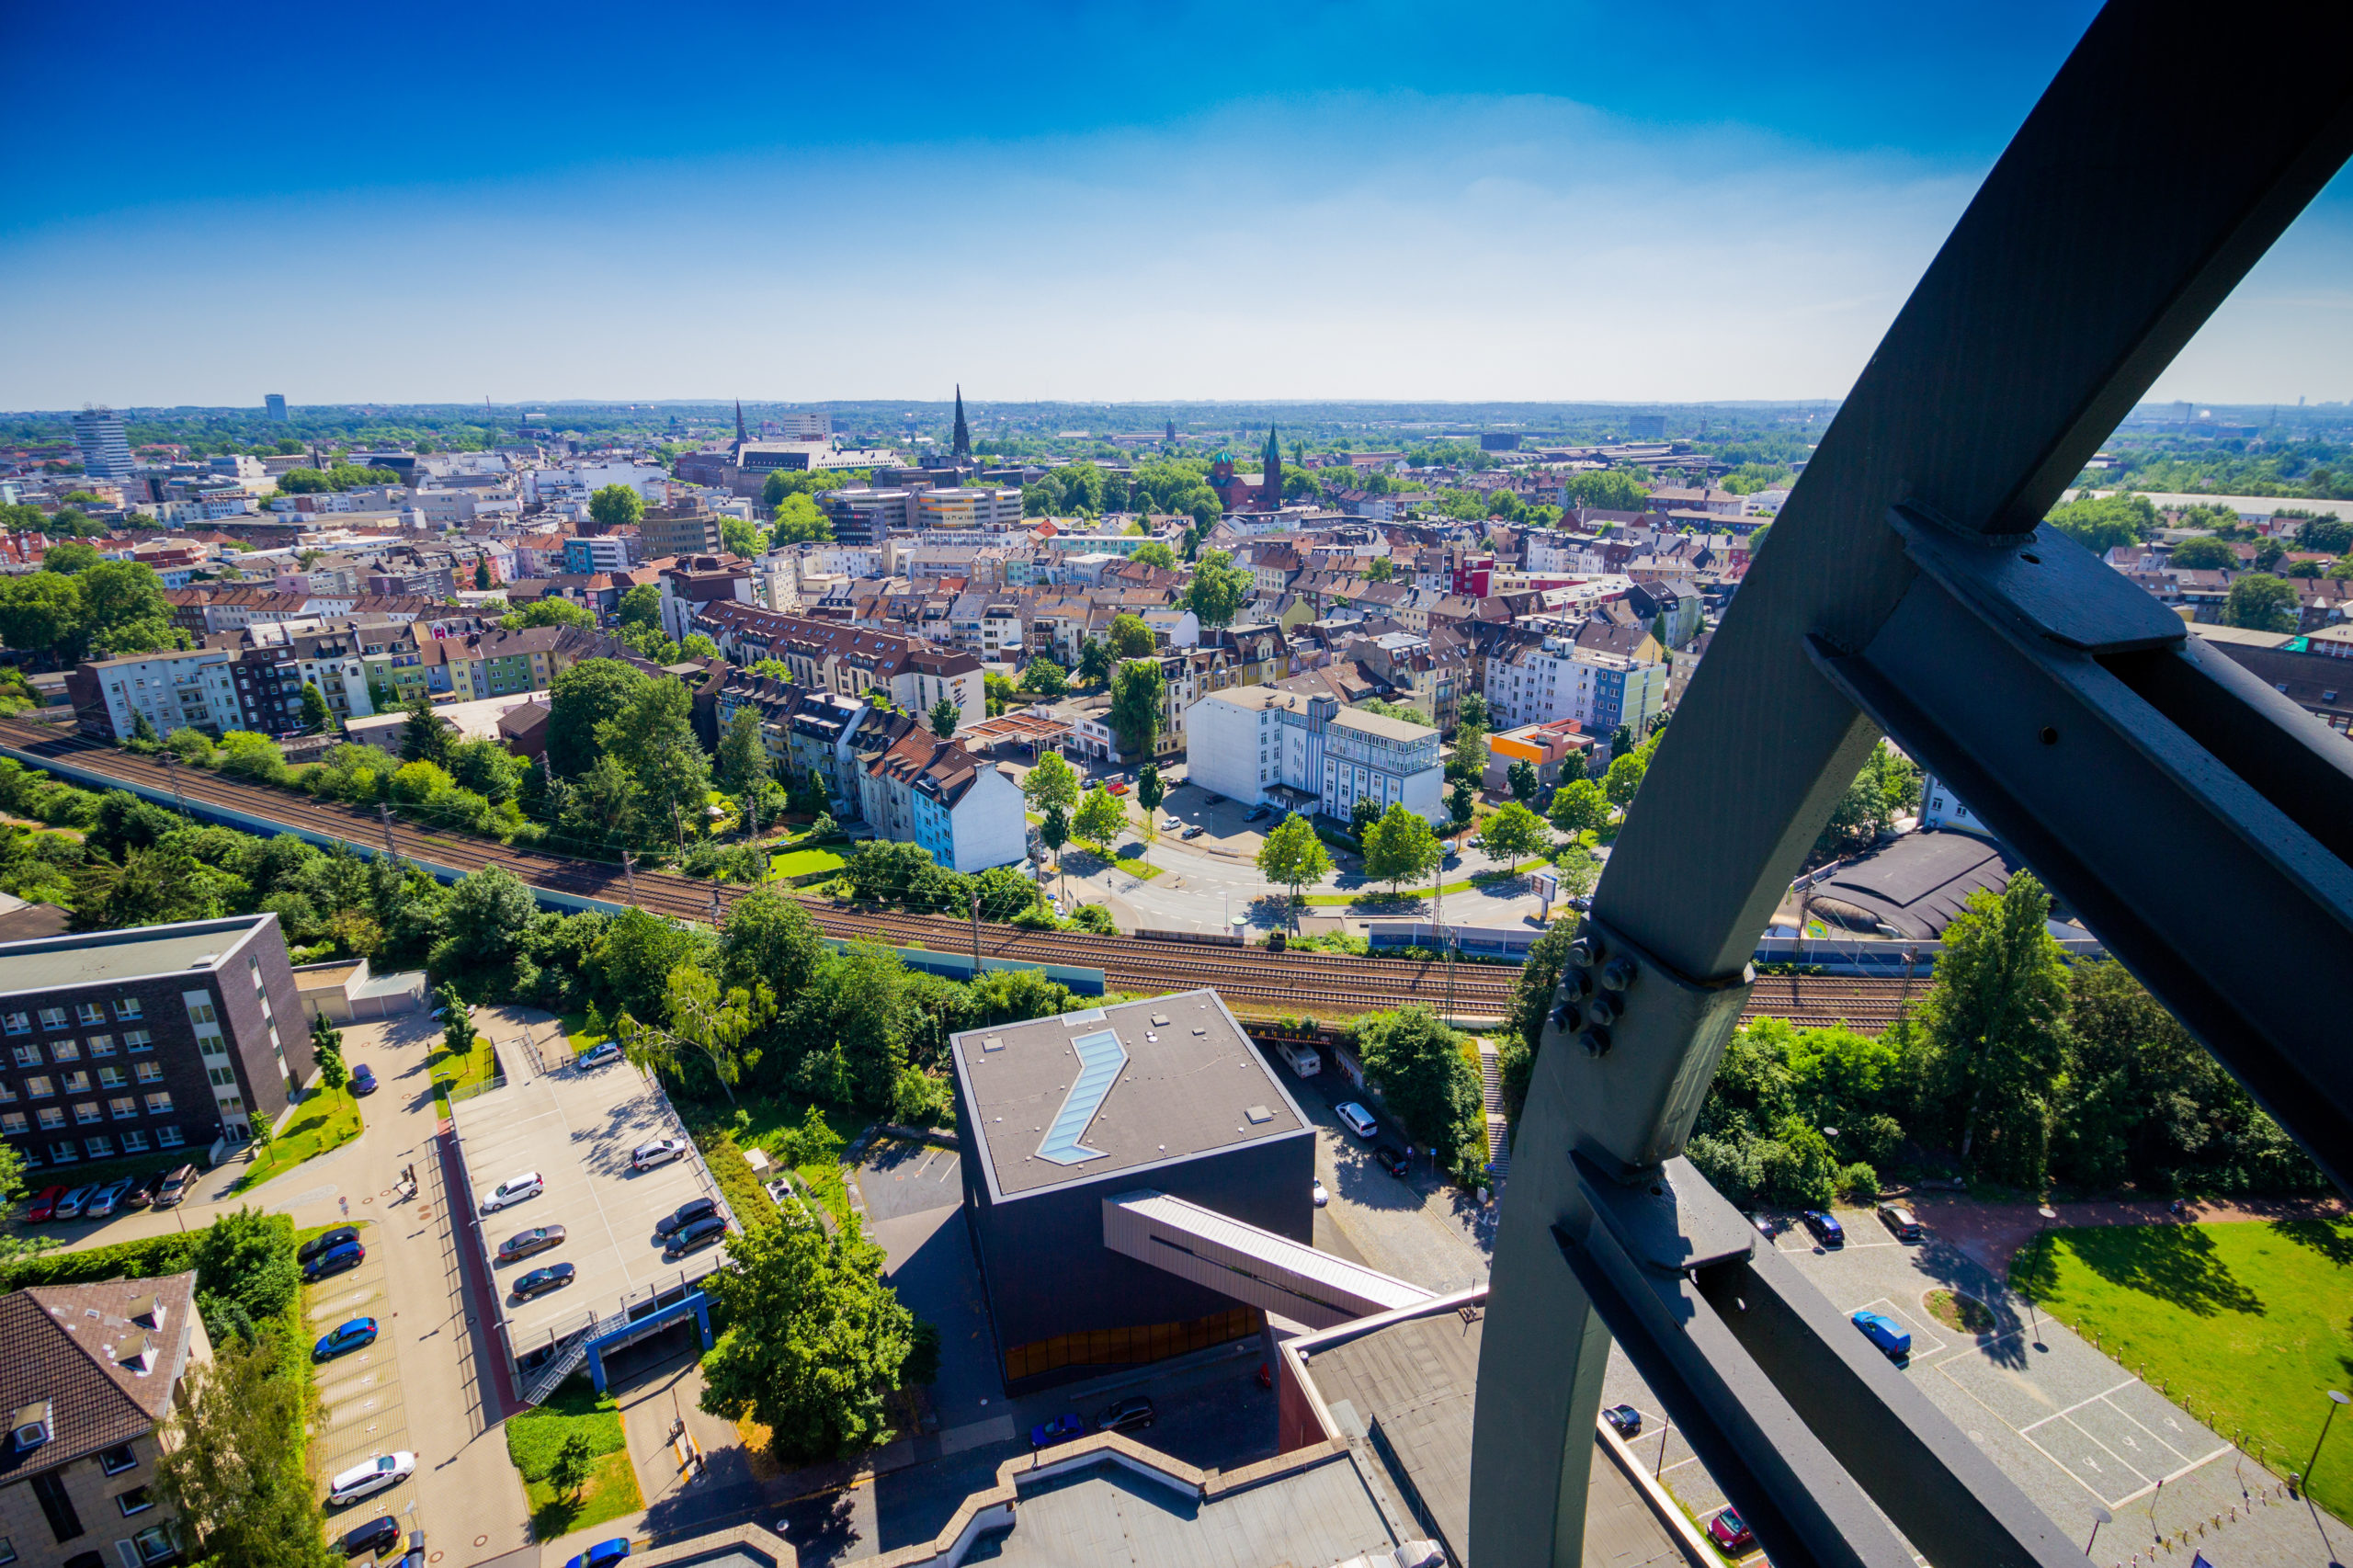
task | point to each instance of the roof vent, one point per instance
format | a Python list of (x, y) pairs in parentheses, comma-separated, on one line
[(1259, 1113), (32, 1426), (205, 960)]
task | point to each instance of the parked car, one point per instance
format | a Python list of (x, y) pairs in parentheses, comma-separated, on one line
[(1390, 1158), (369, 1477), (44, 1205), (70, 1207), (539, 1281), (513, 1190), (1128, 1415), (1891, 1336), (104, 1201), (335, 1260), (1117, 786), (688, 1212), (324, 1240), (1624, 1420), (603, 1053), (1258, 814), (1826, 1230), (1061, 1430), (695, 1233), (356, 1334), (523, 1244), (1195, 831), (363, 1079), (144, 1191), (1727, 1530), (1900, 1219), (603, 1553), (174, 1187), (661, 1151), (1767, 1226), (375, 1536), (1322, 1197), (1358, 1119)]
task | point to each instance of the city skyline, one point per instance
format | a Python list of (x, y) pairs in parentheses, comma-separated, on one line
[(1216, 204)]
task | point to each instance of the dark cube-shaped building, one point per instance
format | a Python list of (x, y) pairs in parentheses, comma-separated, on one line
[(1057, 1115)]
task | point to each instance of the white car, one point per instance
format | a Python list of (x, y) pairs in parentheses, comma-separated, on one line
[(367, 1478), (1322, 1197), (600, 1054), (102, 1201), (661, 1151), (1359, 1120), (69, 1206), (514, 1189)]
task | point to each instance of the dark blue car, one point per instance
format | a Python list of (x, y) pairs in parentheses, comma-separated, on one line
[(335, 1260), (356, 1334), (363, 1080), (1826, 1230), (601, 1554), (1061, 1430)]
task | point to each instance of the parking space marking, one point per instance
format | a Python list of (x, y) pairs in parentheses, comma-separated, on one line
[(2077, 1405), (2081, 1443)]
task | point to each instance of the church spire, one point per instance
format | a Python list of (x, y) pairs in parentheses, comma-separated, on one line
[(740, 437), (963, 441), (1270, 488)]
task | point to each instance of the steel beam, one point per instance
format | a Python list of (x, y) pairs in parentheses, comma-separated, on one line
[(2107, 233)]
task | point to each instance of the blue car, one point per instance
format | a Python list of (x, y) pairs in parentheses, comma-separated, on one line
[(1891, 1336), (356, 1334), (1826, 1230), (1061, 1430), (363, 1079), (335, 1260), (604, 1551)]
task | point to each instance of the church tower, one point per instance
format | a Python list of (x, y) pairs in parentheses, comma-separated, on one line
[(740, 438), (963, 441), (1270, 492)]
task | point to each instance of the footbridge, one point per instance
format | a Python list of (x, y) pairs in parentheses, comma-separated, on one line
[(1252, 1265)]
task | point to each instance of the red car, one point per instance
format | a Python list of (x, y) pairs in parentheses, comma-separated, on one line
[(45, 1206), (1731, 1533)]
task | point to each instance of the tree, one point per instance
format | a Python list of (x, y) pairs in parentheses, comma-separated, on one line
[(488, 913), (769, 939), (744, 755), (423, 737), (1581, 806), (1381, 569), (1293, 857), (1137, 693), (1624, 779), (1461, 805), (485, 768), (2101, 523), (814, 1343), (1418, 1064), (2205, 554), (482, 573), (233, 1469), (550, 611), (944, 715), (654, 736), (616, 506), (1130, 638), (1095, 661), (244, 755), (581, 697), (1218, 589), (1996, 1019), (1513, 834), (1053, 782), (70, 555), (316, 714), (1522, 776), (40, 612), (1399, 847), (143, 731), (1605, 490), (457, 1020), (2260, 602), (574, 1458), (1043, 678), (1149, 792), (124, 610), (328, 1057), (799, 520), (1577, 870), (1100, 817), (1472, 711), (1155, 554), (704, 1019)]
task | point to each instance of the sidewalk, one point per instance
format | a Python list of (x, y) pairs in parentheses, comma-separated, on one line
[(1991, 1233)]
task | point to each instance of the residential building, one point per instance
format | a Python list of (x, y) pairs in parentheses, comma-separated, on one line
[(692, 582), (690, 528), (1557, 750), (170, 690), (482, 719), (975, 507), (495, 664), (969, 812), (1305, 750), (847, 661), (587, 554), (91, 1374), (160, 1037), (807, 734), (105, 450)]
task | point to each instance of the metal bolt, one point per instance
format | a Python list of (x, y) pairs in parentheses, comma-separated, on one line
[(1565, 1016), (1618, 974), (1584, 951), (1605, 1010), (1576, 984), (1595, 1041)]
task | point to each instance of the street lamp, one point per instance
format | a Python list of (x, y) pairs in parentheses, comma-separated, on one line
[(2033, 1314), (2099, 1516), (2337, 1397)]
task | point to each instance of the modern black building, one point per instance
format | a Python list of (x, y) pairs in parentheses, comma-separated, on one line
[(160, 1037), (1056, 1115)]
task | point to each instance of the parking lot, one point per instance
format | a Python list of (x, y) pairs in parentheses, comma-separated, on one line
[(576, 1128), (363, 1410)]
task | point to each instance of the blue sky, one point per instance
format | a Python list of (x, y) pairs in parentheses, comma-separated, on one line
[(1568, 200)]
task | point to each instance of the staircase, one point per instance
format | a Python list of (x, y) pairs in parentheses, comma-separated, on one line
[(563, 1365), (1491, 1090)]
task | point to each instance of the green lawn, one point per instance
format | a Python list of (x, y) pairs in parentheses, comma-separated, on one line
[(2244, 1323), (479, 1066), (1104, 852), (533, 1439), (803, 862), (1380, 895), (760, 1121), (328, 1119)]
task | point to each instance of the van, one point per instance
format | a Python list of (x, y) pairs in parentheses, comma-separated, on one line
[(1900, 1219), (1359, 1120), (1302, 1058)]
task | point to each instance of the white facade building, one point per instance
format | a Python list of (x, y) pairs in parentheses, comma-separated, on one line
[(1556, 679), (173, 691), (105, 450), (1261, 744)]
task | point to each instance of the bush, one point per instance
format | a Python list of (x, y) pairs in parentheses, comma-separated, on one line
[(145, 1259), (1094, 917)]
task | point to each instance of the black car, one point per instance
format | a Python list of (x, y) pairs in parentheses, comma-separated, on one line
[(144, 1192), (335, 1260), (1391, 1160), (695, 1233), (376, 1535), (688, 1212), (1127, 1415), (539, 1281), (1624, 1420), (320, 1244)]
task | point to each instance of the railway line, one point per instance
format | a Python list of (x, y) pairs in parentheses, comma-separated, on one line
[(1252, 981)]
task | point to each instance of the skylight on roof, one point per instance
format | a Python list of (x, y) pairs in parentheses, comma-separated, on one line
[(1100, 1058)]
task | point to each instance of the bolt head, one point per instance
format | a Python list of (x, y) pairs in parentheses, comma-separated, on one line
[(1618, 974), (1595, 1041), (1584, 951)]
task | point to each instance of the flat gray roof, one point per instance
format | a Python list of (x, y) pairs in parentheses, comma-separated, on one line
[(1191, 1082), (97, 958), (1107, 1514)]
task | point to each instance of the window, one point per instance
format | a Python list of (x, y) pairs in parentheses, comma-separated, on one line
[(125, 1008), (155, 1543), (133, 1501), (65, 1051), (202, 1012), (38, 1087), (29, 1056), (110, 1078), (91, 1013), (63, 1154), (7, 1550), (122, 1108), (52, 1117), (86, 1112), (168, 1138), (77, 1083), (49, 1488), (160, 1104), (13, 1124), (101, 1147), (52, 1018), (138, 1039), (222, 1077), (150, 1071), (19, 1023)]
